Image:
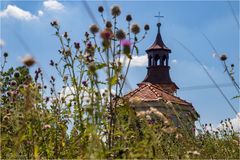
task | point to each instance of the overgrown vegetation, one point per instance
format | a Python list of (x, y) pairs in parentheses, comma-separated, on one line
[(87, 118)]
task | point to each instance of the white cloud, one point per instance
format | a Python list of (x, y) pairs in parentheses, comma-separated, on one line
[(235, 123), (18, 13), (40, 13), (137, 61), (53, 5), (174, 61), (2, 43)]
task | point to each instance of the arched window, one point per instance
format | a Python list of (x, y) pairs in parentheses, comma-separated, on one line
[(164, 60), (156, 58), (149, 60)]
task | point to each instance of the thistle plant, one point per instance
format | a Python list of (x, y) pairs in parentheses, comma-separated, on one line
[(86, 117)]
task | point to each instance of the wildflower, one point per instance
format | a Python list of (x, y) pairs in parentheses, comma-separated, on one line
[(67, 53), (223, 57), (47, 126), (85, 83), (116, 11), (92, 67), (108, 24), (148, 117), (100, 9), (193, 153), (179, 135), (16, 74), (5, 54), (146, 27), (106, 34), (28, 60), (65, 35), (77, 45), (86, 34), (169, 130), (120, 34), (125, 43), (135, 28), (6, 118), (141, 114), (126, 47), (51, 63), (135, 100), (65, 78), (94, 29), (13, 83), (54, 23), (169, 103), (128, 17)]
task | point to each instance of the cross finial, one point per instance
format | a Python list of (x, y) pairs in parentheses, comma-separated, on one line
[(159, 16), (159, 24)]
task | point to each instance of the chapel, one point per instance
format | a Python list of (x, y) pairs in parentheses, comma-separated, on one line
[(158, 91)]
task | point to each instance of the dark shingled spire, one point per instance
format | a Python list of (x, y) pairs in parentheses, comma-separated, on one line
[(158, 44)]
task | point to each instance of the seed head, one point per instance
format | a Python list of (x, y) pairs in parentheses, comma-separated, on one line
[(146, 27), (116, 11), (100, 9), (106, 34), (16, 74), (128, 17), (54, 23), (94, 29), (77, 45), (65, 35), (85, 83), (5, 54), (13, 83), (223, 57), (135, 28), (28, 60), (108, 24), (120, 34)]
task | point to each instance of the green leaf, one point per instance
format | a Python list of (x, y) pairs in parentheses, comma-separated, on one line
[(137, 52), (113, 80), (100, 66)]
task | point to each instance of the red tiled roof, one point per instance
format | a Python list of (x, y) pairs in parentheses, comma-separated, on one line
[(148, 92)]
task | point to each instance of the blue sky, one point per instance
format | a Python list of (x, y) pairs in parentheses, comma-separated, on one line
[(25, 28)]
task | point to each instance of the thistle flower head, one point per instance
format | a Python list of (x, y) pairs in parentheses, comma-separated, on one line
[(108, 24), (223, 57), (100, 9), (77, 45), (5, 54), (94, 29), (28, 60), (128, 17), (125, 43), (13, 83), (120, 34), (85, 83), (146, 27), (135, 28), (16, 74), (106, 34), (54, 23), (116, 11)]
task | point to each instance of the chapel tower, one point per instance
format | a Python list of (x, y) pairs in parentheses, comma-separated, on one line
[(158, 64)]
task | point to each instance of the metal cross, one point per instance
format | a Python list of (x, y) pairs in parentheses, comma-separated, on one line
[(159, 16)]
